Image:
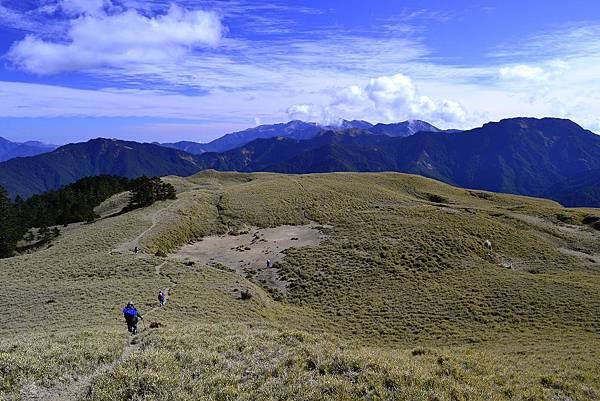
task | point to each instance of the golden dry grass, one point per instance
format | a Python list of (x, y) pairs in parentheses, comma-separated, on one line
[(402, 301)]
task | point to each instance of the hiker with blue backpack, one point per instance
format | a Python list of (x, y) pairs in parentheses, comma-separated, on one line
[(132, 317)]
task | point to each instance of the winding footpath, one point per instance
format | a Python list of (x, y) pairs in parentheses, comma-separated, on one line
[(78, 388), (129, 246)]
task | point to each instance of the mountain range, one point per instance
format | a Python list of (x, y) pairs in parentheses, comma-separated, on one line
[(547, 157), (522, 156), (26, 176), (10, 150), (299, 130)]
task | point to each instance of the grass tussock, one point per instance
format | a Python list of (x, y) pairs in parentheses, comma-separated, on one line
[(48, 359), (259, 363)]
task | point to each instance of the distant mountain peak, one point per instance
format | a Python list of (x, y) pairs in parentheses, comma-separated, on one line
[(10, 150), (552, 128), (345, 124), (403, 128), (299, 130)]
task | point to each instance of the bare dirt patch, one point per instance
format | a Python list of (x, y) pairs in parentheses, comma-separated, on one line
[(248, 252)]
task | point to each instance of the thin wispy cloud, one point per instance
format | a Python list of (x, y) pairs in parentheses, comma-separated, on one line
[(570, 40)]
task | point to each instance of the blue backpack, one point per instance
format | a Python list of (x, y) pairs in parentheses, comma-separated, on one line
[(130, 312)]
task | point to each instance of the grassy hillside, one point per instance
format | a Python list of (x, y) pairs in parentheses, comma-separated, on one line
[(401, 301)]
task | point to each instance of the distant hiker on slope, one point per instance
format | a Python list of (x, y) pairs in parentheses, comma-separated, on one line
[(161, 298), (132, 317)]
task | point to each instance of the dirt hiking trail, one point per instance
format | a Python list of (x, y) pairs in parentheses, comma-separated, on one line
[(78, 387), (129, 246)]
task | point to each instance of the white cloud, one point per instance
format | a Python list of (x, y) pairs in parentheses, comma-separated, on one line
[(118, 40), (578, 39), (308, 112), (523, 71), (388, 99)]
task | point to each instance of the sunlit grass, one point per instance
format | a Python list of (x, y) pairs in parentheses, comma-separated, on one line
[(401, 301)]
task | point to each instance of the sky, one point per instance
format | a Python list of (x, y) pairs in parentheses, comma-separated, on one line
[(71, 70)]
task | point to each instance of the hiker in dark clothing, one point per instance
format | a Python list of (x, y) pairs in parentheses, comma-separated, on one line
[(161, 298), (132, 317)]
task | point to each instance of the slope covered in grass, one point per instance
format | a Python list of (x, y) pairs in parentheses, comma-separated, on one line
[(401, 301)]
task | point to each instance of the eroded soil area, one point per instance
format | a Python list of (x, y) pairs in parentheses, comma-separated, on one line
[(248, 253)]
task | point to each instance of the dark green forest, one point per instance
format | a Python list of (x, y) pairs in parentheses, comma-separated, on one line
[(145, 191), (71, 204)]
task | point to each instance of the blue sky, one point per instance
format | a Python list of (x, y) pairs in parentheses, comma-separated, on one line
[(172, 70)]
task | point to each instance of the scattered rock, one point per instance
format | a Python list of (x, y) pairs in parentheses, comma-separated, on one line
[(592, 221), (435, 198), (589, 219)]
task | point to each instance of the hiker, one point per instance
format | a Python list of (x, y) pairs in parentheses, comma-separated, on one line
[(269, 264), (136, 250), (132, 316), (161, 298), (488, 244)]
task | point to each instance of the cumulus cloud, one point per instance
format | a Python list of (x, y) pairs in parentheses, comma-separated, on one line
[(386, 99), (101, 40), (307, 112)]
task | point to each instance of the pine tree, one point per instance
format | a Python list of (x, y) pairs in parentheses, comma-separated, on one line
[(145, 191), (10, 232)]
